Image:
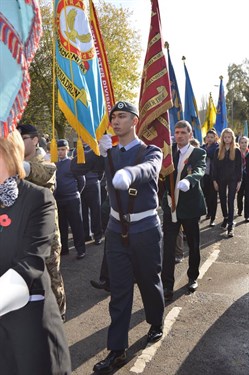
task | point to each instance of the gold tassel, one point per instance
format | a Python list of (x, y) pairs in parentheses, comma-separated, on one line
[(80, 152), (53, 150)]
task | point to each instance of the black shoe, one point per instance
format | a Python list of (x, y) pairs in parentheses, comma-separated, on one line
[(98, 242), (192, 285), (230, 230), (113, 361), (247, 219), (168, 294), (100, 285), (208, 217), (224, 223), (81, 255), (155, 334), (212, 223), (239, 213)]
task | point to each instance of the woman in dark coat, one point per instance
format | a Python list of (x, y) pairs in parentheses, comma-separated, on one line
[(32, 340), (227, 175)]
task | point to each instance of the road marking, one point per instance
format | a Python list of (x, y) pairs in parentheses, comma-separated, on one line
[(211, 259), (151, 349)]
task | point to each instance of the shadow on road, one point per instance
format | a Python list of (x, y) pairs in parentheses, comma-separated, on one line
[(217, 353)]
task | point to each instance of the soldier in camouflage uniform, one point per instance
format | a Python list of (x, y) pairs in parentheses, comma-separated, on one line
[(42, 173)]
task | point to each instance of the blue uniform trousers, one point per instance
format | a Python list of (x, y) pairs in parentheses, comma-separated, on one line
[(141, 260)]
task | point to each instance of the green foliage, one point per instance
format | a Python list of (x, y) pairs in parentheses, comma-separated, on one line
[(237, 98), (123, 47)]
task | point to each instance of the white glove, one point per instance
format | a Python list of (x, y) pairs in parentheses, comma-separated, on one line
[(122, 180), (105, 143), (14, 292), (26, 167), (183, 185)]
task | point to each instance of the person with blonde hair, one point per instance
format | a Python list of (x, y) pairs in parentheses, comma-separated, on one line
[(227, 175), (32, 339)]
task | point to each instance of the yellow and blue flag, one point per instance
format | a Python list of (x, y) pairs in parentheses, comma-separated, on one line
[(175, 112), (221, 115), (80, 91), (191, 113), (210, 116)]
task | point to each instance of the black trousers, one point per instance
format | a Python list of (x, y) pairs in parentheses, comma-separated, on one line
[(32, 340), (227, 192), (171, 230), (69, 212), (210, 195), (140, 259), (241, 196), (91, 210)]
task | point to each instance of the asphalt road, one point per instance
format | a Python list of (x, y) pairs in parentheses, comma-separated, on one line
[(206, 332)]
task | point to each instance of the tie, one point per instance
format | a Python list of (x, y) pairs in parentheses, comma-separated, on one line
[(122, 149), (176, 158)]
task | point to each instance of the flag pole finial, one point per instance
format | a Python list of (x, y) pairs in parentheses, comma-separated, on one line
[(166, 45), (183, 58), (221, 77)]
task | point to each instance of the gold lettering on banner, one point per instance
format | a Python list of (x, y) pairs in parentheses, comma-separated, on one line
[(154, 40), (154, 58), (154, 101), (156, 77), (150, 133), (71, 89)]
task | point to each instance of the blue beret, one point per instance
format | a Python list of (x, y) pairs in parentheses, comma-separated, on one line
[(27, 129), (125, 107), (62, 143)]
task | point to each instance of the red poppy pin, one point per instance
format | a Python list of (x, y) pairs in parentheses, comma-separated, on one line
[(5, 221)]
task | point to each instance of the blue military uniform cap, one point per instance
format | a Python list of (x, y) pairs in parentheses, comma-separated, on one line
[(27, 129), (62, 143), (125, 107)]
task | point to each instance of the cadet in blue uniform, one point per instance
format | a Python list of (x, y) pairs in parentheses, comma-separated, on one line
[(133, 235)]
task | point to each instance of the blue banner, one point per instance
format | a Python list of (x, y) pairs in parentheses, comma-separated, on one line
[(80, 96), (191, 113)]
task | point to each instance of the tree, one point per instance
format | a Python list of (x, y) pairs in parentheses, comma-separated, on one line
[(123, 47), (237, 97)]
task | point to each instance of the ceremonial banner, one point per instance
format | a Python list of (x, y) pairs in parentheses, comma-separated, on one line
[(210, 117), (191, 113), (221, 115), (175, 113), (80, 96), (155, 94), (103, 64), (20, 32)]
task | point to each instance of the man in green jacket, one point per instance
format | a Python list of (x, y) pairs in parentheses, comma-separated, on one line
[(190, 164)]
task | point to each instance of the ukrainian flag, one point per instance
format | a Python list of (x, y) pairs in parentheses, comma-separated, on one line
[(80, 92)]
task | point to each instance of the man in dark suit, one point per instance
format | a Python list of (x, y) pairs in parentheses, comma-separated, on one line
[(190, 164)]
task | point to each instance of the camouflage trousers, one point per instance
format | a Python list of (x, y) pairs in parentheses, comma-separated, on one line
[(53, 266)]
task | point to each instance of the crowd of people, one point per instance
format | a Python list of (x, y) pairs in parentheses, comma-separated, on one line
[(138, 247)]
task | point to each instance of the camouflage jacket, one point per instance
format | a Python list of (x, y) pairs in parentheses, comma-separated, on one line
[(42, 172)]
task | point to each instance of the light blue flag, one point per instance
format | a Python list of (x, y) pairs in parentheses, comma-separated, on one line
[(175, 112), (80, 93), (245, 129), (20, 31), (191, 113), (221, 114)]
